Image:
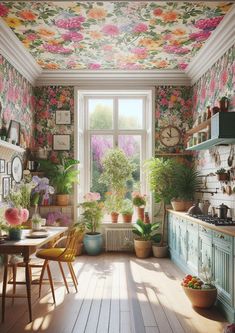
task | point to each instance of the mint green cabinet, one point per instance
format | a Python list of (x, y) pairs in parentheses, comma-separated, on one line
[(192, 243), (205, 252), (182, 243)]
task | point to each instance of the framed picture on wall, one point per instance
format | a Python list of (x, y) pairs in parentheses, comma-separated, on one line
[(9, 168), (5, 186), (63, 117), (61, 142), (13, 134), (2, 166)]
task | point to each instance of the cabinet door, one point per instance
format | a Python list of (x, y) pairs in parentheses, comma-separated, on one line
[(205, 256), (222, 269), (170, 230), (192, 245), (182, 240)]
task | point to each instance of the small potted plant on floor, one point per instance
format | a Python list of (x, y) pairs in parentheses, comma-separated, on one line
[(143, 242), (127, 211), (222, 174), (92, 214)]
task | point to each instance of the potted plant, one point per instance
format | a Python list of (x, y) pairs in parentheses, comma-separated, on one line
[(36, 222), (186, 182), (127, 211), (222, 174), (113, 204), (117, 170), (139, 201), (160, 178), (63, 175), (143, 242), (201, 294), (91, 216)]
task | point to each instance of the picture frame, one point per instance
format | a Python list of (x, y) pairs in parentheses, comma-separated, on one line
[(63, 117), (61, 142), (13, 134), (17, 169), (9, 168), (2, 166), (6, 186)]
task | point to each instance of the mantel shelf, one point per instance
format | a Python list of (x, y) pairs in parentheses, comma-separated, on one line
[(199, 127), (8, 145)]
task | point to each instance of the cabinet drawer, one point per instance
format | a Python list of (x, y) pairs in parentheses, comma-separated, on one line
[(219, 237), (205, 231)]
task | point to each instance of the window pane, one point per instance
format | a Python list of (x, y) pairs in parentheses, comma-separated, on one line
[(100, 113), (99, 145), (131, 145), (130, 113)]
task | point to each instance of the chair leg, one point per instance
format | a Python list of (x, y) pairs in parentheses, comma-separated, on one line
[(62, 273), (72, 275), (41, 276), (14, 282), (51, 282), (4, 287)]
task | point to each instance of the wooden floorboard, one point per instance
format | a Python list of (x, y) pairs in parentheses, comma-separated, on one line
[(117, 293)]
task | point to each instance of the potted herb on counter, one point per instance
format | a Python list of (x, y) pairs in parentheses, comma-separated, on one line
[(222, 174)]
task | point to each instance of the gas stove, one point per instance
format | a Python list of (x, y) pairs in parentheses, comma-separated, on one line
[(215, 220)]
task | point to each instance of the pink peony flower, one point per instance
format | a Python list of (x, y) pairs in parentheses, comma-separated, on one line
[(110, 29), (209, 23), (57, 49), (70, 23), (73, 36), (140, 27), (16, 216), (200, 36), (94, 66), (3, 10)]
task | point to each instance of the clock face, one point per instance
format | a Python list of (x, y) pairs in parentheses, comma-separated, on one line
[(170, 136)]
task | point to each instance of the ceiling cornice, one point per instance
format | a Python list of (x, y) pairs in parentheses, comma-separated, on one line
[(217, 44), (127, 78), (12, 49)]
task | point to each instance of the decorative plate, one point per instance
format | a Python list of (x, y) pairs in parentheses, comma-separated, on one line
[(17, 169)]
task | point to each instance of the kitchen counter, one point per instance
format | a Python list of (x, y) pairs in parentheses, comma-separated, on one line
[(224, 229)]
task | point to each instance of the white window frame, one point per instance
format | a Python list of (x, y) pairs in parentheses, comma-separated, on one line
[(82, 133)]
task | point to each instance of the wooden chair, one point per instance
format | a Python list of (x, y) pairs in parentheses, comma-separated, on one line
[(60, 254)]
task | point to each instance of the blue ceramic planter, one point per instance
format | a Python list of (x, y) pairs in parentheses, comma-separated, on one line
[(93, 243), (15, 234)]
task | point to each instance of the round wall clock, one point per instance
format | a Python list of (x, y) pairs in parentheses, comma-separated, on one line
[(170, 136), (17, 169)]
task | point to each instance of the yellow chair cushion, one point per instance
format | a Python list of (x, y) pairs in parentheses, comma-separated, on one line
[(56, 254)]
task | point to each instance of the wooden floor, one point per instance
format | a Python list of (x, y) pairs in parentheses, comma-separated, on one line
[(117, 293)]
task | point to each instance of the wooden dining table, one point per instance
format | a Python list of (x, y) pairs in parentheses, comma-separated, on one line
[(26, 247)]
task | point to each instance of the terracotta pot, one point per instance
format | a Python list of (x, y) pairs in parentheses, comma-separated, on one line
[(142, 248), (62, 199), (187, 205), (202, 298), (127, 218), (160, 251), (181, 205), (140, 213), (114, 217), (222, 176)]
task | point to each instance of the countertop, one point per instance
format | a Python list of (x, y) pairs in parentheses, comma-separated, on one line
[(224, 229)]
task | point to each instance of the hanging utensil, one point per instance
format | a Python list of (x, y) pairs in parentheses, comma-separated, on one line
[(231, 156)]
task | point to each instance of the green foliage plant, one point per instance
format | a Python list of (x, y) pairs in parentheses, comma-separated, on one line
[(127, 207), (62, 175), (144, 231)]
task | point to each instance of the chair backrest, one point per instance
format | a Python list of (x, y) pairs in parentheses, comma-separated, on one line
[(71, 243)]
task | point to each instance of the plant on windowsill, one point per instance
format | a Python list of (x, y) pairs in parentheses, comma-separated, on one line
[(63, 176), (92, 214), (145, 234), (113, 204), (117, 170), (139, 201), (127, 210)]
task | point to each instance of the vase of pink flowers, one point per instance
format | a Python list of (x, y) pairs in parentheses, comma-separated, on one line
[(15, 217)]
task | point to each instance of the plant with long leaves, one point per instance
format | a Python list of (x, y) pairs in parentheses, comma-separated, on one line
[(145, 231)]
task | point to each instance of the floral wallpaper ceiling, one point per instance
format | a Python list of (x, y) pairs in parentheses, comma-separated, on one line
[(113, 35)]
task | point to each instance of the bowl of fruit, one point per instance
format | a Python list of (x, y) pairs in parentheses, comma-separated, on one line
[(200, 294)]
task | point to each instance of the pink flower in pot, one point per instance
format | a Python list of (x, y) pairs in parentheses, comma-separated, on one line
[(16, 216)]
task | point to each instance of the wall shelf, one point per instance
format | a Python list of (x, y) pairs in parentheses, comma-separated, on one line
[(8, 145), (199, 127)]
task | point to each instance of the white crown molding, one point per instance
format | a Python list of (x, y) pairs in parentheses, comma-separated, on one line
[(127, 78), (12, 49), (217, 44)]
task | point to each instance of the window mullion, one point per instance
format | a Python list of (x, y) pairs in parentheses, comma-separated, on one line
[(115, 121)]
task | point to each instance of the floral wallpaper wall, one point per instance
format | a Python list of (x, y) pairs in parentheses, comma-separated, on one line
[(217, 82), (113, 35), (48, 100), (174, 107), (17, 98)]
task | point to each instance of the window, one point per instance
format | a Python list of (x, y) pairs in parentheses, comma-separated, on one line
[(108, 119)]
